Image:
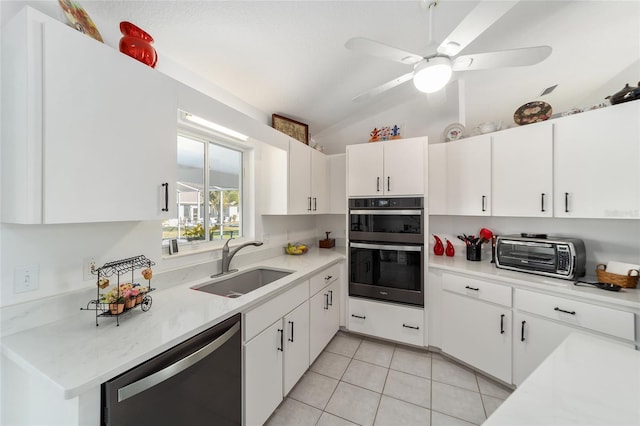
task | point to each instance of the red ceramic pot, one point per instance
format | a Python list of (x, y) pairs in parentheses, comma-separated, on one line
[(136, 43)]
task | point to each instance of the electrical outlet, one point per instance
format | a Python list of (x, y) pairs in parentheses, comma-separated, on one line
[(88, 267), (26, 279)]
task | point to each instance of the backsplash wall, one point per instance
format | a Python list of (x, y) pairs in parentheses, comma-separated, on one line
[(604, 239)]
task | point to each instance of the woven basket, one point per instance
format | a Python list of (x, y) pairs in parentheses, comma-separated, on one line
[(627, 281)]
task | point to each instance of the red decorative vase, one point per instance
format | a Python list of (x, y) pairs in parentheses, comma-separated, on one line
[(136, 43), (450, 250), (438, 248)]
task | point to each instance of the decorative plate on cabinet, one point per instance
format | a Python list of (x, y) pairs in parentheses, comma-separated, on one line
[(453, 132), (79, 19), (532, 112)]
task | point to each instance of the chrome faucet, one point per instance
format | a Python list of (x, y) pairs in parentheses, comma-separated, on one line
[(228, 255)]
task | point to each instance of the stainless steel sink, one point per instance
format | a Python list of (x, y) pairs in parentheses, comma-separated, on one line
[(239, 283)]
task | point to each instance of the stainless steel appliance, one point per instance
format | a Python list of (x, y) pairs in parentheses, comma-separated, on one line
[(386, 249), (198, 382), (556, 257)]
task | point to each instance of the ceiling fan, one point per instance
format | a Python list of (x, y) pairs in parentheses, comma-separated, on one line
[(433, 71)]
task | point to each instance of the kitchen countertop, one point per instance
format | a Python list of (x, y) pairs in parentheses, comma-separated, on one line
[(585, 381), (76, 356), (628, 298)]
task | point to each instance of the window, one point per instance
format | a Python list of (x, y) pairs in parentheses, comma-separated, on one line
[(209, 191)]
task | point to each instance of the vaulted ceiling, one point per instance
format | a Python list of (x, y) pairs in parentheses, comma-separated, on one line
[(288, 57)]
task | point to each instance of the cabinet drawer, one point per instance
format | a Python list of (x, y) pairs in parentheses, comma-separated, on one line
[(483, 290), (598, 318), (323, 279), (261, 317), (400, 323)]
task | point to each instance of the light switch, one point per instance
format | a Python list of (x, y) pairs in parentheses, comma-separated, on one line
[(26, 279)]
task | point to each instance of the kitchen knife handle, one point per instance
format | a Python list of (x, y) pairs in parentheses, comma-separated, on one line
[(566, 202), (522, 331), (502, 324), (484, 197), (542, 202), (378, 184), (166, 197)]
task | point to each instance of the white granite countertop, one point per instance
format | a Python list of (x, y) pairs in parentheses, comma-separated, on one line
[(76, 356), (585, 381), (628, 298)]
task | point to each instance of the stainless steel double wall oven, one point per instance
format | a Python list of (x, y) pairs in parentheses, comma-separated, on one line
[(386, 249)]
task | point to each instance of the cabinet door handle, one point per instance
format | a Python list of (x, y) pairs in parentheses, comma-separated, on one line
[(281, 348), (522, 331), (326, 301), (502, 324), (330, 297), (542, 202), (166, 197), (309, 208), (411, 326), (388, 183), (378, 184), (566, 202), (359, 316), (291, 338), (472, 288), (328, 277), (566, 312), (484, 197), (315, 204)]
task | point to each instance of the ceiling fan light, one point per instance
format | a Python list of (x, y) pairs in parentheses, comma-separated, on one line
[(432, 74)]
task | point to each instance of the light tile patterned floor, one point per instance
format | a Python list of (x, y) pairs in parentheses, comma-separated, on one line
[(362, 381)]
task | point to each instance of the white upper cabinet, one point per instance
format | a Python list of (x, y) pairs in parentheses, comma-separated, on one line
[(437, 178), (522, 171), (294, 182), (469, 176), (596, 173), (89, 134), (394, 167)]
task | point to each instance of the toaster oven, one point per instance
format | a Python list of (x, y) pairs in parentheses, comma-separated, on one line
[(556, 257)]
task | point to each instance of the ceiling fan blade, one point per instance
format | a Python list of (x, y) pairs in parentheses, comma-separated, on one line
[(381, 50), (504, 58), (383, 87), (485, 14)]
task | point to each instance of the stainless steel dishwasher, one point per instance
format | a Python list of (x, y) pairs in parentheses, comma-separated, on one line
[(198, 382)]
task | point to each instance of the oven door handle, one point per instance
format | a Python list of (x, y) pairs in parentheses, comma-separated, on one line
[(385, 247), (158, 377), (387, 212)]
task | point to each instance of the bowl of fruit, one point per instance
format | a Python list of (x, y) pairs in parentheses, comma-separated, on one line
[(296, 248)]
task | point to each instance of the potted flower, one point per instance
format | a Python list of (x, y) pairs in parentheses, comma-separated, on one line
[(140, 293), (130, 294), (116, 301)]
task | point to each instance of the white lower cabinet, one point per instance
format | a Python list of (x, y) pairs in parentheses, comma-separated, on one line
[(388, 321), (324, 312), (296, 345), (477, 333), (550, 319)]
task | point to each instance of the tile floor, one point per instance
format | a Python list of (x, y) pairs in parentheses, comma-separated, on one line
[(362, 381)]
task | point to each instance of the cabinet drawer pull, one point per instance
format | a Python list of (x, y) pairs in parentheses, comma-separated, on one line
[(502, 324), (330, 297), (522, 331), (414, 327), (309, 208), (315, 204), (484, 197), (566, 202), (328, 277), (542, 202), (566, 312), (166, 197), (359, 316), (326, 301), (291, 338), (378, 184), (472, 288), (281, 348)]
